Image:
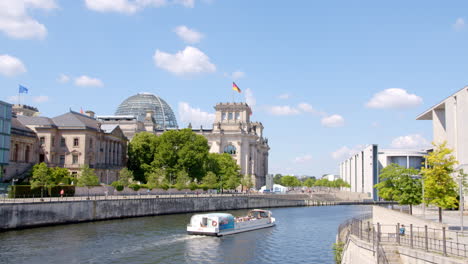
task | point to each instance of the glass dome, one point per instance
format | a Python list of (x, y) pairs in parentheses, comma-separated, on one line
[(137, 105)]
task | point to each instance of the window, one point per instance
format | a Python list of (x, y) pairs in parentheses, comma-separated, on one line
[(237, 116), (223, 116), (62, 142), (91, 143), (52, 143), (62, 159), (42, 140), (76, 142), (230, 116), (75, 159), (230, 149), (26, 154)]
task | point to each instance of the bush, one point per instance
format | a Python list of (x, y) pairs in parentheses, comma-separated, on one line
[(134, 186), (144, 185), (204, 187), (165, 186), (193, 186), (19, 191), (118, 186)]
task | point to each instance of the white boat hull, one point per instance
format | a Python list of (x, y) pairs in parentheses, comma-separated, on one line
[(238, 228)]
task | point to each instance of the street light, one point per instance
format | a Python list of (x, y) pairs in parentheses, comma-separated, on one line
[(462, 200)]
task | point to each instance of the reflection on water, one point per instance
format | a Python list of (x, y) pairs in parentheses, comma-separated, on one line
[(302, 235)]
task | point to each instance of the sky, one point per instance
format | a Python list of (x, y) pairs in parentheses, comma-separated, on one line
[(324, 77)]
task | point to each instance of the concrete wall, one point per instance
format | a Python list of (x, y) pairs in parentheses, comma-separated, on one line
[(413, 256), (358, 251), (24, 215)]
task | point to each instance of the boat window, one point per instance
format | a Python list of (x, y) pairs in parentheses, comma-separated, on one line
[(204, 222)]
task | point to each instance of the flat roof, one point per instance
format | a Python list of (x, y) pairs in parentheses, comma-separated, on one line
[(427, 115)]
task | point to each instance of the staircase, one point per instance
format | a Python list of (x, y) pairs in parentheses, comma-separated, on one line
[(390, 254)]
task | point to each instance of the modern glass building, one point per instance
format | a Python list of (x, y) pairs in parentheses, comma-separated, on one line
[(140, 104), (5, 130)]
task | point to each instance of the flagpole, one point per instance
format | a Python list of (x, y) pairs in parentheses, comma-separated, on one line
[(19, 96)]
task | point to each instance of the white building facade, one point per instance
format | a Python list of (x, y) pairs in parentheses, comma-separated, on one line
[(362, 169), (449, 124)]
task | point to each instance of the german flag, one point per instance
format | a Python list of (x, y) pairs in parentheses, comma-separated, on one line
[(235, 87)]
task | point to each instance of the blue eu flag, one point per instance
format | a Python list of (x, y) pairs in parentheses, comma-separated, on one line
[(22, 89)]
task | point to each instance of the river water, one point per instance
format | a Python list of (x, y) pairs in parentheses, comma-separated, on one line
[(302, 235)]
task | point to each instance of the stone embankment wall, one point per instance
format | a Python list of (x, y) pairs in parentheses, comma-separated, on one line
[(23, 215)]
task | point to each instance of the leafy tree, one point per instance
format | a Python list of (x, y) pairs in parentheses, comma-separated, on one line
[(141, 152), (155, 178), (246, 181), (290, 181), (439, 186), (60, 175), (125, 177), (88, 178), (210, 180), (340, 183), (182, 150), (277, 179), (386, 186), (409, 189), (323, 182), (182, 181), (309, 182), (226, 168), (41, 177)]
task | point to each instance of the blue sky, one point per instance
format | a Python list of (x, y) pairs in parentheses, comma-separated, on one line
[(324, 77)]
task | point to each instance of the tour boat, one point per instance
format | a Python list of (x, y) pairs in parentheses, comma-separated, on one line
[(221, 224)]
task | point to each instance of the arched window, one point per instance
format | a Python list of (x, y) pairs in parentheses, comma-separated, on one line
[(230, 149), (15, 153)]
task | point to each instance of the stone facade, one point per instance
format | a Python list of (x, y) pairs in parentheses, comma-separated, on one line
[(70, 140)]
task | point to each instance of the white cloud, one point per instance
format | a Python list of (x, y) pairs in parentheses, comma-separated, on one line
[(195, 116), (238, 75), (410, 141), (122, 6), (188, 61), (188, 35), (186, 3), (345, 152), (88, 81), (282, 110), (284, 96), (41, 99), (15, 21), (307, 108), (250, 98), (333, 121), (63, 78), (395, 98), (303, 159), (459, 24), (11, 66)]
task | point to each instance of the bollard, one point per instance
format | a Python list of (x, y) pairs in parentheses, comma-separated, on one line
[(426, 245), (368, 231), (378, 233), (360, 229), (411, 235), (444, 241)]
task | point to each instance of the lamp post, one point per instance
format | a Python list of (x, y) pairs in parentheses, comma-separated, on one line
[(461, 177)]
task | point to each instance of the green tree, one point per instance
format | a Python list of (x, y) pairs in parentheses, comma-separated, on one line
[(409, 189), (277, 179), (87, 178), (246, 182), (156, 178), (141, 152), (182, 181), (125, 177), (41, 177), (60, 175), (226, 168), (439, 186), (386, 186), (210, 180), (309, 182), (182, 150), (290, 181)]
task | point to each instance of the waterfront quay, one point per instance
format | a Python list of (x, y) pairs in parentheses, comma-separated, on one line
[(33, 212), (388, 236)]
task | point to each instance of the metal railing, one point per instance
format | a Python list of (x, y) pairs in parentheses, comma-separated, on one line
[(438, 240)]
